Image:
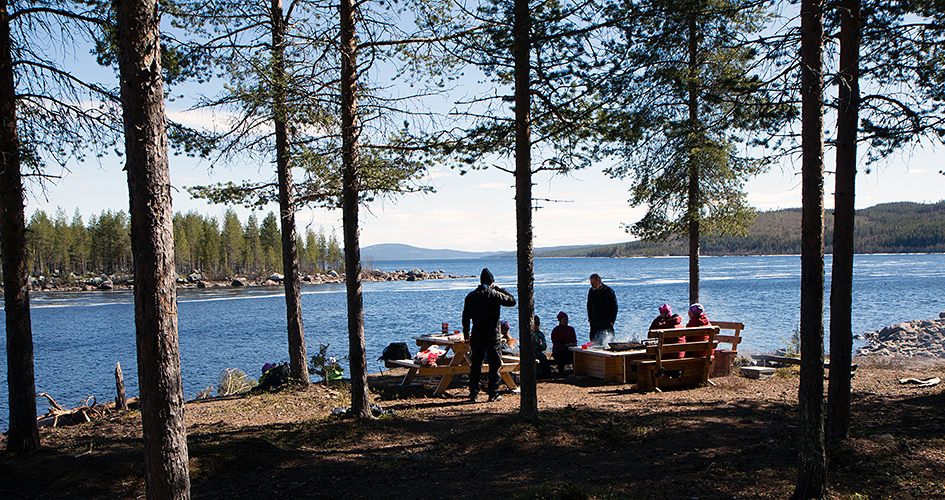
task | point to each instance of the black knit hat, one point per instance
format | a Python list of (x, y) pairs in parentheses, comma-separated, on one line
[(485, 277)]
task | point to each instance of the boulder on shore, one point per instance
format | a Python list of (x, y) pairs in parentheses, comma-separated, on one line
[(912, 338)]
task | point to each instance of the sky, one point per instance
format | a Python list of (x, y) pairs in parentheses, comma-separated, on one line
[(476, 212)]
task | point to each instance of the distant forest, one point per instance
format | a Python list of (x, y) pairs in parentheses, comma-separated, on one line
[(887, 228), (60, 246), (64, 247)]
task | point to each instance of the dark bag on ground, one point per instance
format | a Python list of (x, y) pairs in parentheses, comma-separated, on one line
[(396, 350)]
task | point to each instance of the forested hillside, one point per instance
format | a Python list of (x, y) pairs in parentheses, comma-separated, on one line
[(63, 247), (903, 227)]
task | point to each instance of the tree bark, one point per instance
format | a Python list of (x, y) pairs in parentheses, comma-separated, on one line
[(523, 211), (152, 239), (23, 434), (841, 285), (298, 364), (694, 201), (811, 480), (350, 158)]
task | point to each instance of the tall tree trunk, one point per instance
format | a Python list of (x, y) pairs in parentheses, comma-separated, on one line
[(523, 211), (841, 285), (298, 365), (694, 201), (23, 434), (152, 242), (350, 130), (811, 479)]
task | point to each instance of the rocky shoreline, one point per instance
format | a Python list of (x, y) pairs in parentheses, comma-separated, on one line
[(910, 339), (196, 279)]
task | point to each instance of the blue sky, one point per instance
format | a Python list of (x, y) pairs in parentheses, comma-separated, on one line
[(476, 212)]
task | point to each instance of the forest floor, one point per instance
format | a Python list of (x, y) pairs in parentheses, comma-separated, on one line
[(735, 440)]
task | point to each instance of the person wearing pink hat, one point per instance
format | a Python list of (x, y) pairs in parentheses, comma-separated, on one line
[(665, 321), (697, 318)]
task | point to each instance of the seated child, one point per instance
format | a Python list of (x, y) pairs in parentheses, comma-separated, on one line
[(665, 321), (562, 338), (509, 343), (697, 318), (541, 345)]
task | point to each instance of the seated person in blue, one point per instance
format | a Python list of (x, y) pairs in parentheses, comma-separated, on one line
[(541, 344)]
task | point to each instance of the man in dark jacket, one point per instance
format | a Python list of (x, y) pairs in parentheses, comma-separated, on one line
[(601, 309), (482, 307)]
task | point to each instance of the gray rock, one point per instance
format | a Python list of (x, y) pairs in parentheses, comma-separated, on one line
[(276, 277), (106, 285), (332, 273)]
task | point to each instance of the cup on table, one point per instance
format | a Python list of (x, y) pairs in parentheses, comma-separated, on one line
[(446, 328)]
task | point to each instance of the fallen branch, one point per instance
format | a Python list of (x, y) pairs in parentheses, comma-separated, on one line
[(87, 411), (921, 383)]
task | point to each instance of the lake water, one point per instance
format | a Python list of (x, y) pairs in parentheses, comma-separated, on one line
[(79, 336)]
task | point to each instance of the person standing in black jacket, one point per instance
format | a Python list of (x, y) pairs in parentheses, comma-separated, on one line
[(482, 308), (601, 310)]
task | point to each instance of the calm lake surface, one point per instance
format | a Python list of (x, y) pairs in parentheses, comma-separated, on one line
[(79, 336)]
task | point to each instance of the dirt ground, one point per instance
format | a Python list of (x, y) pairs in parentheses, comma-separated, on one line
[(735, 440)]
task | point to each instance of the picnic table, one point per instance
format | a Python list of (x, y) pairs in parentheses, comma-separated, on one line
[(611, 366), (455, 362)]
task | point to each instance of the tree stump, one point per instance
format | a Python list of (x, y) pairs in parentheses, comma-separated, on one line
[(120, 402)]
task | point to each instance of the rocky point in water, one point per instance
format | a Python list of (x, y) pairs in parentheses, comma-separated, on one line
[(912, 338)]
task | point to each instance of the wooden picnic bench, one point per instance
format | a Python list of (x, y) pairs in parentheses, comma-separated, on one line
[(769, 359), (666, 369), (446, 366), (723, 359)]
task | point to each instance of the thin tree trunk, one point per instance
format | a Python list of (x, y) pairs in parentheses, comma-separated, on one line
[(694, 201), (811, 479), (298, 365), (350, 130), (523, 211), (23, 436), (152, 240), (841, 285)]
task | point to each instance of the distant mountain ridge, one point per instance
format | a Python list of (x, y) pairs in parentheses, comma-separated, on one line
[(902, 227), (399, 251)]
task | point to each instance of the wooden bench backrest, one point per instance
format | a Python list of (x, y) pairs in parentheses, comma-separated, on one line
[(663, 348), (732, 339), (690, 370), (722, 338)]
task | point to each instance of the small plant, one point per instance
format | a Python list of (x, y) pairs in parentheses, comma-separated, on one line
[(792, 348), (234, 381), (325, 366)]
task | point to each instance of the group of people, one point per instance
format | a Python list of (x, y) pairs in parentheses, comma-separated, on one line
[(668, 320), (489, 338)]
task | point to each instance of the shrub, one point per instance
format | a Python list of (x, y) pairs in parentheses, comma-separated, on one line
[(234, 381), (325, 366)]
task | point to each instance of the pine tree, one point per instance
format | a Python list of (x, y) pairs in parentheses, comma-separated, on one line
[(686, 102)]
